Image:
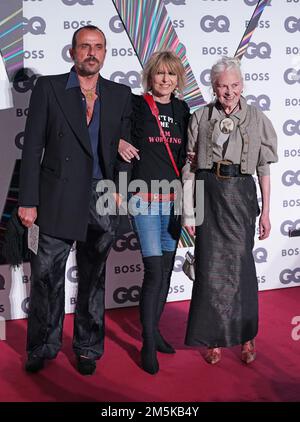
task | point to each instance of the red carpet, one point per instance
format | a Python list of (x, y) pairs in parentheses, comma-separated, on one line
[(184, 377)]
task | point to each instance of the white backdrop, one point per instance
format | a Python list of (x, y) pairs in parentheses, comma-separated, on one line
[(208, 29)]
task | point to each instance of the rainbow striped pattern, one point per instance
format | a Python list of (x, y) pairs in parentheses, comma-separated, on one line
[(11, 35), (250, 28), (150, 29)]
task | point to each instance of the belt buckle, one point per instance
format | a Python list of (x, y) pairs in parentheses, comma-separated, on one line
[(226, 163)]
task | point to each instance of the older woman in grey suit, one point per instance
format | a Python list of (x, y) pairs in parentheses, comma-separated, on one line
[(230, 140)]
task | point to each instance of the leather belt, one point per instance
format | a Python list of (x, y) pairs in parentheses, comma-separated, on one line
[(156, 197), (225, 170)]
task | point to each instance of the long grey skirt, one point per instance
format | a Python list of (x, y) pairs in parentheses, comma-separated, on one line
[(224, 305)]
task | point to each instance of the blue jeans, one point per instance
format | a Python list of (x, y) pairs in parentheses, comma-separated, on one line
[(157, 228)]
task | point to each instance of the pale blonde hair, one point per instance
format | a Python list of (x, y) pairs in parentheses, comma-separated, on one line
[(161, 59)]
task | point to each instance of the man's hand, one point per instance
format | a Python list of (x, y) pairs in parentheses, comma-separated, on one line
[(27, 216), (127, 151), (264, 227)]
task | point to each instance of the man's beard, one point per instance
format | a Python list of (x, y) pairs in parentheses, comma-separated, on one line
[(83, 68)]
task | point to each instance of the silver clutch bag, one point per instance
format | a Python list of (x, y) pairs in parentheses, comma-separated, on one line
[(188, 266)]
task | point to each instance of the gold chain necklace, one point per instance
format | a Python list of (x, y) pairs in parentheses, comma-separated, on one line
[(89, 93)]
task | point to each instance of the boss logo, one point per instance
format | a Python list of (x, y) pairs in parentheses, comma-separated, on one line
[(35, 25), (2, 282), (176, 289), (25, 305), (116, 25), (34, 54), (175, 2), (261, 279), (122, 294), (257, 77), (178, 23), (130, 242), (290, 178), (66, 54), (260, 255), (291, 203), (124, 269), (294, 102), (261, 24), (205, 77), (19, 140), (210, 23), (254, 2), (288, 276), (132, 79), (24, 80), (288, 225), (81, 2), (261, 50), (290, 252), (122, 52), (291, 127), (292, 50), (215, 50), (291, 76), (75, 24), (291, 153), (292, 24), (261, 102), (72, 274)]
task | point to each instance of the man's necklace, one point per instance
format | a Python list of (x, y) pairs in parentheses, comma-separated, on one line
[(89, 93)]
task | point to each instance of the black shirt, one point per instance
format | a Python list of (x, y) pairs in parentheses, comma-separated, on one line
[(155, 163)]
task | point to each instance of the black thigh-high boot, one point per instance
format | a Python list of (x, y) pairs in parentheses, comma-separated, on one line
[(168, 264), (148, 311)]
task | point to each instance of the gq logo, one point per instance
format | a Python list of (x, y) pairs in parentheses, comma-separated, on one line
[(122, 294), (131, 79), (35, 25), (24, 80), (65, 53), (254, 2), (25, 305), (290, 178), (260, 255), (19, 140), (72, 274), (81, 2), (116, 25), (179, 260), (287, 276), (291, 76), (288, 225), (292, 24), (210, 23), (175, 2), (291, 127), (130, 242), (2, 282), (205, 77), (261, 102), (261, 50)]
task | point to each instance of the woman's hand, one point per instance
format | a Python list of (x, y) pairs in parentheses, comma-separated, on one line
[(264, 226), (191, 230), (127, 151), (192, 160)]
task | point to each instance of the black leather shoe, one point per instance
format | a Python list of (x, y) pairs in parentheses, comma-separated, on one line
[(86, 366), (149, 360), (163, 346), (34, 364)]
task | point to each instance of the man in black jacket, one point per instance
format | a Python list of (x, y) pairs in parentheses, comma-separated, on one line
[(74, 125)]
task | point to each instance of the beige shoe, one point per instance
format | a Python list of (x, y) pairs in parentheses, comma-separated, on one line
[(213, 355), (248, 351)]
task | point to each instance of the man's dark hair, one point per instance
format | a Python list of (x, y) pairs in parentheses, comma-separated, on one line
[(90, 28)]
